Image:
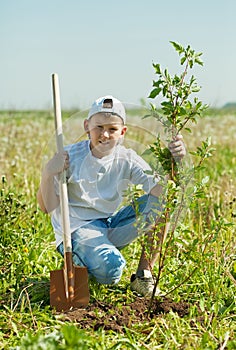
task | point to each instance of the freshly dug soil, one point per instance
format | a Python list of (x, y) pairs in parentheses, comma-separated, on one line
[(109, 317)]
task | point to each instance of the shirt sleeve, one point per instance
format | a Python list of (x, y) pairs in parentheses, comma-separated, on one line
[(141, 173)]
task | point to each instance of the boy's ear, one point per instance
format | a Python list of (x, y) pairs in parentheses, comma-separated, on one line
[(123, 131), (86, 125)]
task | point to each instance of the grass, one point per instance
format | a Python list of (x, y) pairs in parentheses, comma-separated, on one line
[(27, 252)]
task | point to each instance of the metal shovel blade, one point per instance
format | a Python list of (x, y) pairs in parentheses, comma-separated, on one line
[(58, 298)]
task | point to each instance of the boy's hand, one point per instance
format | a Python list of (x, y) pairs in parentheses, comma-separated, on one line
[(58, 163), (177, 147)]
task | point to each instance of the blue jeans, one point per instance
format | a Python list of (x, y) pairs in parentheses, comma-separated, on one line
[(97, 244)]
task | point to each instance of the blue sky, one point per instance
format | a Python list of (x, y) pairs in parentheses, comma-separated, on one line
[(107, 47)]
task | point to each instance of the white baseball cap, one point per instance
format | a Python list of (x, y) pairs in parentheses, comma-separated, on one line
[(108, 104)]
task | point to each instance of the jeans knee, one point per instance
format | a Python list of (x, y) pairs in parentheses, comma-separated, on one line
[(110, 269)]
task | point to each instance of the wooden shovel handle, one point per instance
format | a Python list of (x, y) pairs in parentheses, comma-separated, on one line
[(68, 266), (62, 182), (70, 275)]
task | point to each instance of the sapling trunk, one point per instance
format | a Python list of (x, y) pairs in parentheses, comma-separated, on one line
[(175, 113)]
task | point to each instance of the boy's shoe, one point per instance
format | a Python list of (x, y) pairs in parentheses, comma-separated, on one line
[(142, 283)]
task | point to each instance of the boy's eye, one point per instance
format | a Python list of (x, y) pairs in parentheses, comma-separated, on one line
[(113, 129)]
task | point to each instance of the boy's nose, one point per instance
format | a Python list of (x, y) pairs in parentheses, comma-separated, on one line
[(105, 133)]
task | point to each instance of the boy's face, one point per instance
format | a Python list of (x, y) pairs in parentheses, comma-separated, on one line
[(105, 130)]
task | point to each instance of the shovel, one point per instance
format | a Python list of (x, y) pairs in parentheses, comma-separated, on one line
[(68, 286)]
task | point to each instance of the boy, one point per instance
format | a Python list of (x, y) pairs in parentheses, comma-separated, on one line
[(98, 172)]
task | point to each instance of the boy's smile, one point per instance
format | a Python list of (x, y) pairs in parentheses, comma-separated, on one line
[(105, 131)]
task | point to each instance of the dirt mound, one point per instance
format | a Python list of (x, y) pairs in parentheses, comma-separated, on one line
[(109, 317)]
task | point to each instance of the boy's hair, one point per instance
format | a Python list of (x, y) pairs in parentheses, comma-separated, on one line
[(108, 104)]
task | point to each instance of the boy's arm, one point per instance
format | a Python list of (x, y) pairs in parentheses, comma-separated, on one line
[(157, 190), (48, 199)]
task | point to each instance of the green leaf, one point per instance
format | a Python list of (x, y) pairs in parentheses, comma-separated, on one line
[(146, 116), (177, 47), (166, 104), (166, 73), (154, 93), (196, 89), (157, 68), (188, 130), (198, 61), (182, 111), (183, 59), (157, 83)]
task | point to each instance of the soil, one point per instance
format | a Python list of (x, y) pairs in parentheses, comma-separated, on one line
[(109, 317)]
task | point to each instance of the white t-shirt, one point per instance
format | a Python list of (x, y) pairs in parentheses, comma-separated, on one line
[(96, 186)]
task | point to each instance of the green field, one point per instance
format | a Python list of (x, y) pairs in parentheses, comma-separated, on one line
[(27, 252)]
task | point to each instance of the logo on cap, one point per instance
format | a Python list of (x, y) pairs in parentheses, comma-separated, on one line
[(108, 104)]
